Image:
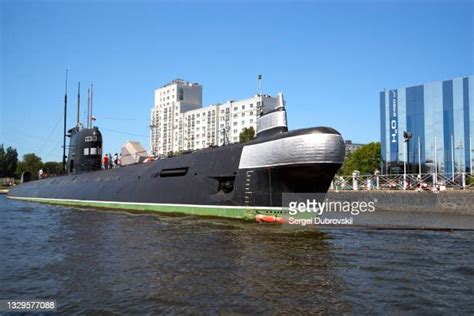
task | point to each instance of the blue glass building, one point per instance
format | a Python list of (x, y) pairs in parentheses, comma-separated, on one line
[(440, 117)]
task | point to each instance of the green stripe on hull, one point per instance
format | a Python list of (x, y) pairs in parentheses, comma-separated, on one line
[(204, 210)]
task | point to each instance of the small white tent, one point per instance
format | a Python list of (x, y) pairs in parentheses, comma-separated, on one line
[(133, 152)]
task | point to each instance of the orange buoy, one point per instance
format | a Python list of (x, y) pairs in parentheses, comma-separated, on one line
[(269, 219)]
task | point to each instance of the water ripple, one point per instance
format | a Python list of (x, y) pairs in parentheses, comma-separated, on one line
[(109, 262)]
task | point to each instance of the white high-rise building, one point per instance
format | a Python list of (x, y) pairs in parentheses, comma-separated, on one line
[(171, 101), (180, 123)]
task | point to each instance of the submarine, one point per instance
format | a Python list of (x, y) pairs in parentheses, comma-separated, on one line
[(241, 180)]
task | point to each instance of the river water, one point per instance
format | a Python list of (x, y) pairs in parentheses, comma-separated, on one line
[(93, 261)]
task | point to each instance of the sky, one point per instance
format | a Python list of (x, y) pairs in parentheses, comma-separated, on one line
[(329, 58)]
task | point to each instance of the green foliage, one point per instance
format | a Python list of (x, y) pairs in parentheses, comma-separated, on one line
[(340, 172), (31, 163), (53, 167), (365, 159), (8, 161), (247, 134)]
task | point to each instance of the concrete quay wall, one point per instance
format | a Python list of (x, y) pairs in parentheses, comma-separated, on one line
[(445, 202)]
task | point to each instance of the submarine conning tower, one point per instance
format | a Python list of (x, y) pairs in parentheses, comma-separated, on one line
[(85, 149), (272, 121)]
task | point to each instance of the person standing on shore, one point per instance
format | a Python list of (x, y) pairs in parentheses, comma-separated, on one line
[(106, 162), (116, 160)]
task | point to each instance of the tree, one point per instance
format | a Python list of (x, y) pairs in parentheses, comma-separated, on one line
[(30, 163), (53, 167), (247, 134), (366, 159), (8, 161)]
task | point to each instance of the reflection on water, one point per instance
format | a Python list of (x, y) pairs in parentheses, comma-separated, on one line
[(97, 261)]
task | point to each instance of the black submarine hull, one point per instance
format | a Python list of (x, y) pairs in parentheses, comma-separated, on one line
[(238, 181)]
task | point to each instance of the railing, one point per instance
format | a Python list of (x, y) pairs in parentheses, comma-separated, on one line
[(425, 181)]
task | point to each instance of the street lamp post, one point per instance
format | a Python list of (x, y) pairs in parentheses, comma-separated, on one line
[(470, 155), (452, 156), (419, 157), (405, 167), (435, 173), (461, 166), (419, 162), (406, 139)]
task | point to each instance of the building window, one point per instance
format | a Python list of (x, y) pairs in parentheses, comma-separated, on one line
[(235, 123), (243, 107), (235, 108), (251, 105)]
